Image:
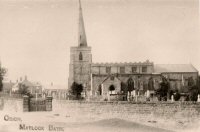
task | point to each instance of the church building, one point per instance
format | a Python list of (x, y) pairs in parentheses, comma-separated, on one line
[(103, 79)]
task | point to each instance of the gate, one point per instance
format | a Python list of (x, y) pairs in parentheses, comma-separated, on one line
[(38, 104)]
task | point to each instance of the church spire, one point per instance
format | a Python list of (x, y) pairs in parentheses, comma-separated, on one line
[(82, 40)]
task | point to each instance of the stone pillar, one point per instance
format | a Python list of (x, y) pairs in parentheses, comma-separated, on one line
[(25, 103), (49, 103)]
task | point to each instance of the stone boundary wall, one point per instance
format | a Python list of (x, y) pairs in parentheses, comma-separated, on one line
[(179, 113), (40, 104), (11, 104)]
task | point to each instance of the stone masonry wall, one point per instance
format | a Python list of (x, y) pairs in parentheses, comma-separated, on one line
[(179, 113), (12, 104)]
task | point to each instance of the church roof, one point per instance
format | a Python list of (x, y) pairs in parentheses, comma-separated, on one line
[(147, 62), (82, 40), (109, 76), (163, 68)]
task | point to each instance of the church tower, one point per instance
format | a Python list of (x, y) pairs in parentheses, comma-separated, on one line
[(80, 57)]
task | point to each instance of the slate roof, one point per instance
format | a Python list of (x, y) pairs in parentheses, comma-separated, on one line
[(164, 68)]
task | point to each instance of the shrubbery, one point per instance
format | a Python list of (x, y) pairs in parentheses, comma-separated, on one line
[(76, 90)]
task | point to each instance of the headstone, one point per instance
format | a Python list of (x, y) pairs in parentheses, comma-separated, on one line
[(172, 98), (128, 96), (102, 87), (148, 93), (83, 94), (198, 100), (134, 93)]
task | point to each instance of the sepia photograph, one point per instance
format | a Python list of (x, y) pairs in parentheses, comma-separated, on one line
[(99, 66)]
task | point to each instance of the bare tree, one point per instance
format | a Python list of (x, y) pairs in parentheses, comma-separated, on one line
[(23, 90)]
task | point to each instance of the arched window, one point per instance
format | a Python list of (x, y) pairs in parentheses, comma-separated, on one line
[(130, 84), (151, 84), (100, 89), (80, 56)]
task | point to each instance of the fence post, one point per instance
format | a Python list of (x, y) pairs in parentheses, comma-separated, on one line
[(25, 103), (49, 103)]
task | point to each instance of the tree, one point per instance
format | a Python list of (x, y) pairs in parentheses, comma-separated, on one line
[(193, 89), (2, 74), (191, 82), (76, 89), (23, 90), (163, 89), (193, 94), (177, 95)]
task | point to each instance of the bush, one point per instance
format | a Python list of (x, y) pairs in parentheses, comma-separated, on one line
[(76, 90), (163, 90), (177, 96)]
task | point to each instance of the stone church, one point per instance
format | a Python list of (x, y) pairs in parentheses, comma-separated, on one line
[(101, 79)]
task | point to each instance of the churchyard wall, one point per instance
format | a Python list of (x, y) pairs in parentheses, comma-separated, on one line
[(178, 113)]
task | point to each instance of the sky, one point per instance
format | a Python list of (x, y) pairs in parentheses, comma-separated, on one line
[(36, 35)]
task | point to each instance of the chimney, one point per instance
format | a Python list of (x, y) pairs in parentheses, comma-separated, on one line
[(25, 77)]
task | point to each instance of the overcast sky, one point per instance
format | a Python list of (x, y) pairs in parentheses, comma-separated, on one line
[(35, 36)]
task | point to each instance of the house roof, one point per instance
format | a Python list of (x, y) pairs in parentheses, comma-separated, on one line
[(7, 85), (27, 83), (163, 68)]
